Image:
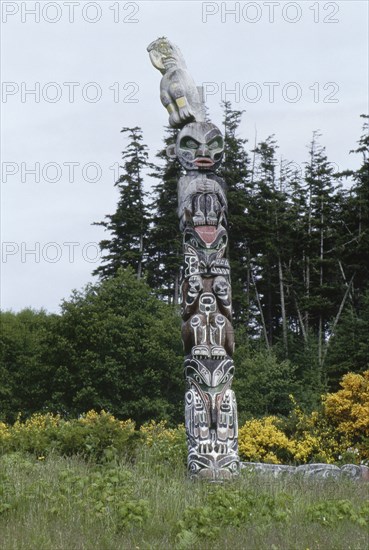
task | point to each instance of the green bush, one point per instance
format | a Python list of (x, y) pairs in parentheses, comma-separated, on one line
[(96, 436)]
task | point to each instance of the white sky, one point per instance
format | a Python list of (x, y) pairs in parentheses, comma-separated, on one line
[(319, 47)]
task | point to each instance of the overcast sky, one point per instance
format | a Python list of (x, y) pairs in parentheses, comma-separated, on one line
[(294, 67)]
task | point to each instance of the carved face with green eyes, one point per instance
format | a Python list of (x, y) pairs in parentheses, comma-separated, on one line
[(200, 146)]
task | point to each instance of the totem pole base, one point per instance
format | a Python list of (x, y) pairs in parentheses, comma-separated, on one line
[(210, 470)]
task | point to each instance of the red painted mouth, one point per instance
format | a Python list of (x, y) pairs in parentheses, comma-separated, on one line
[(206, 232), (203, 162)]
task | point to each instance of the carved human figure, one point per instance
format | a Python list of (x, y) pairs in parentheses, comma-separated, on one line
[(201, 194), (222, 290), (199, 147), (206, 310)]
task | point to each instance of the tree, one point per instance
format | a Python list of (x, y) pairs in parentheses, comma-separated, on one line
[(164, 239), (115, 346), (25, 370), (129, 224), (321, 268), (235, 172), (314, 283), (262, 383), (348, 345), (119, 349), (355, 217), (349, 348), (273, 213), (264, 243)]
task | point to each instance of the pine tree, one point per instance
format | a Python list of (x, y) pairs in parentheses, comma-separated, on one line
[(236, 174), (322, 284), (349, 339), (355, 216), (165, 240), (129, 224), (271, 241)]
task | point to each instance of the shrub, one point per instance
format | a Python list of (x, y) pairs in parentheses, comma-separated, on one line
[(338, 432), (348, 411), (93, 435), (38, 434), (262, 440), (97, 435), (166, 444), (313, 437)]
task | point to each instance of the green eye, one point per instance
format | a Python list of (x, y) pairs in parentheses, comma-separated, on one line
[(191, 144), (215, 144)]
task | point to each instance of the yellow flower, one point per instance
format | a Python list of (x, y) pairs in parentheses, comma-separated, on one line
[(262, 440), (4, 431)]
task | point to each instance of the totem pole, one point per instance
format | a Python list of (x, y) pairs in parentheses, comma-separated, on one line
[(207, 332)]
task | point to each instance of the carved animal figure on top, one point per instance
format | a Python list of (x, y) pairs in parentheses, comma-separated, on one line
[(178, 91)]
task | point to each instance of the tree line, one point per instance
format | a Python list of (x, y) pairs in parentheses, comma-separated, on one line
[(298, 241), (299, 254)]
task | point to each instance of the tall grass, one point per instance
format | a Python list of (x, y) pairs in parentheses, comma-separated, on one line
[(57, 503)]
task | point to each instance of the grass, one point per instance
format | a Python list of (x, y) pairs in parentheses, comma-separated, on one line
[(57, 503)]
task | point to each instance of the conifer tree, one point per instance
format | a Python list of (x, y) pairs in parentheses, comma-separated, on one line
[(322, 286), (164, 240), (236, 173), (269, 216), (355, 216), (349, 337), (129, 224)]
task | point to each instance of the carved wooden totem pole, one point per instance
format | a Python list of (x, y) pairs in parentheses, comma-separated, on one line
[(207, 332)]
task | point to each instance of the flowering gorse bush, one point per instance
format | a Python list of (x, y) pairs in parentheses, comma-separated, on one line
[(4, 431), (267, 440), (314, 439), (92, 435), (262, 440), (339, 432), (35, 434), (96, 435), (348, 411)]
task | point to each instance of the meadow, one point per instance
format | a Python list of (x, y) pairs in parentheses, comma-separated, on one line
[(145, 501), (99, 483)]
